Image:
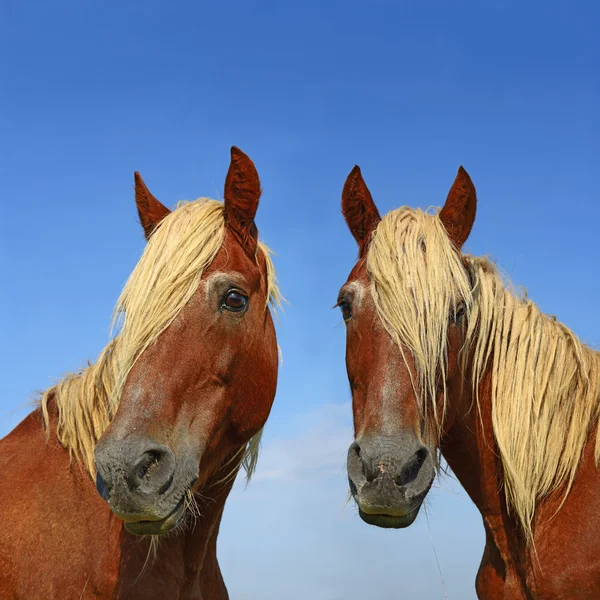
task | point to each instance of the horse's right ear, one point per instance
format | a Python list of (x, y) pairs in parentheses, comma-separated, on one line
[(359, 210), (458, 213), (150, 210)]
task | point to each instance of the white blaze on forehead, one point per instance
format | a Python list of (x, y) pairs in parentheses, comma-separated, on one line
[(221, 277), (357, 290)]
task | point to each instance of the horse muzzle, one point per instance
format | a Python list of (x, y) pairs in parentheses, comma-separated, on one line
[(389, 478), (144, 483)]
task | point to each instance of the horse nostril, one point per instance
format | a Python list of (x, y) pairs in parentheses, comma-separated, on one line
[(369, 472), (411, 469), (148, 461), (358, 464), (152, 472)]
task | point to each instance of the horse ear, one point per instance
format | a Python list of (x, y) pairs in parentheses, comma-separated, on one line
[(150, 210), (242, 192), (359, 210), (458, 213)]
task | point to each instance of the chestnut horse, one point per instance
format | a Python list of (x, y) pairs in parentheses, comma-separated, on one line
[(443, 357), (163, 420)]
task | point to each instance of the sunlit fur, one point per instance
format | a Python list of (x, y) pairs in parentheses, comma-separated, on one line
[(164, 280), (545, 382)]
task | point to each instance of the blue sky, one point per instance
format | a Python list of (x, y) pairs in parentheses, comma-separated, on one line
[(409, 91)]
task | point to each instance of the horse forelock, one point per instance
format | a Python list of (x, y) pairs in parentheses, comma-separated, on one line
[(417, 280)]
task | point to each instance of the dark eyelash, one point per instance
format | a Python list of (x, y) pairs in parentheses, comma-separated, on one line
[(341, 300)]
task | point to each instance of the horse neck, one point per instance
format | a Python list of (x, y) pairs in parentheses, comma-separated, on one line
[(469, 447), (471, 452)]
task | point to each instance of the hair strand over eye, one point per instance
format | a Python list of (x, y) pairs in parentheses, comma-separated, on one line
[(458, 313)]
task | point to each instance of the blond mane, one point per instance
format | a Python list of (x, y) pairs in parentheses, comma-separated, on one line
[(545, 382), (161, 284)]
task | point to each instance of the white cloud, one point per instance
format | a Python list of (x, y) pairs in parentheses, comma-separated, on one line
[(318, 447)]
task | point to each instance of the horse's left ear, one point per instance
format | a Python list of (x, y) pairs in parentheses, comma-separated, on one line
[(150, 210), (458, 213), (242, 192)]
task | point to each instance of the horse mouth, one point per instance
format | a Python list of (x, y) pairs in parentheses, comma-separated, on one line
[(160, 527), (400, 520), (388, 514)]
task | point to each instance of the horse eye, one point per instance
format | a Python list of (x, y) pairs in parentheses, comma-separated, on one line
[(346, 310), (235, 301), (459, 314)]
